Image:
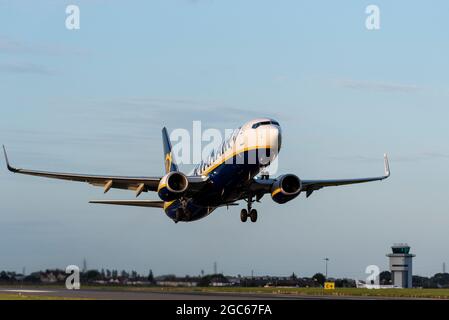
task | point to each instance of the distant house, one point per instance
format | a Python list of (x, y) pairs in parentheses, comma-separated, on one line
[(113, 281), (220, 284), (173, 281), (48, 278), (234, 281), (19, 277), (52, 276), (177, 283)]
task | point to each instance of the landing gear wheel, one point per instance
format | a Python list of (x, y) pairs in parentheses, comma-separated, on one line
[(244, 215), (253, 215)]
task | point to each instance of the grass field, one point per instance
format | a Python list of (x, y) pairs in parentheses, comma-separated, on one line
[(391, 293), (16, 296)]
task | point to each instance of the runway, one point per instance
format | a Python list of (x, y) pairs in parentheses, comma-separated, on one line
[(100, 294)]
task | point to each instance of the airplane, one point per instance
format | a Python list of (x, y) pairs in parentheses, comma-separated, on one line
[(233, 172)]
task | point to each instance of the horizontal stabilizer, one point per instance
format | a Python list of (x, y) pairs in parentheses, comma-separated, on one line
[(136, 203)]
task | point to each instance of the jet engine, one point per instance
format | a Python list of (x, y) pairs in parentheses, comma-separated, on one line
[(172, 186), (286, 188)]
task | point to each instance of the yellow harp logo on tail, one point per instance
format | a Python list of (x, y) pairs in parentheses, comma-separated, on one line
[(168, 161)]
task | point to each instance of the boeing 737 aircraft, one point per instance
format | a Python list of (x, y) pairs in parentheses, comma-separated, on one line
[(230, 174)]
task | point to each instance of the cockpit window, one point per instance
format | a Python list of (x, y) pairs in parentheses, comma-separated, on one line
[(263, 123)]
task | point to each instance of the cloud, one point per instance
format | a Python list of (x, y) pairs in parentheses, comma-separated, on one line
[(421, 156), (12, 46), (196, 1), (115, 123), (377, 86), (435, 155), (355, 158), (156, 111), (24, 68), (9, 46)]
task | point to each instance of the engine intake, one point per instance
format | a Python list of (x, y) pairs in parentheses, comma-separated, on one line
[(286, 188), (172, 186)]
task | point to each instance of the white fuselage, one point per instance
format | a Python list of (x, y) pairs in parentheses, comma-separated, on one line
[(257, 134)]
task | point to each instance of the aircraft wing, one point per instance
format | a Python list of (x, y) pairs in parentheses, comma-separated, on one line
[(311, 185), (136, 203), (140, 184), (264, 185)]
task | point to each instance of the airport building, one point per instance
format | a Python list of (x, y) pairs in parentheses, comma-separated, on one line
[(401, 265)]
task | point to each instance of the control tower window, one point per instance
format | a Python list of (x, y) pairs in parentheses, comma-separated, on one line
[(403, 250)]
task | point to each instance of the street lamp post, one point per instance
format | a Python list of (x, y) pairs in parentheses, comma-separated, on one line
[(326, 261)]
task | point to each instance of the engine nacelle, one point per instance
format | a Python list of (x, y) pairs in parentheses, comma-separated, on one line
[(286, 188), (172, 186)]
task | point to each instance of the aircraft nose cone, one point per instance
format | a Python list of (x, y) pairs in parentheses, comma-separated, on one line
[(276, 138), (279, 139)]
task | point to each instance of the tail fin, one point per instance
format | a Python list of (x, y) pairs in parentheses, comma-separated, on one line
[(170, 165)]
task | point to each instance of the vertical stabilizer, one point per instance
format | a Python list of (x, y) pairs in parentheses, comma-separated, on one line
[(169, 162)]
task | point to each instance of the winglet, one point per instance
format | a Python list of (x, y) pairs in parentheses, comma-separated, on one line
[(387, 166), (12, 169)]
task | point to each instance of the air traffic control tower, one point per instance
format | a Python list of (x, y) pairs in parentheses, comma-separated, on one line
[(401, 265)]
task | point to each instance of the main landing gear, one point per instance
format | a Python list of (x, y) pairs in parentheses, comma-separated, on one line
[(182, 214), (251, 213)]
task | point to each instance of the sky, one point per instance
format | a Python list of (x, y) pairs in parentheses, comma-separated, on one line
[(94, 100)]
